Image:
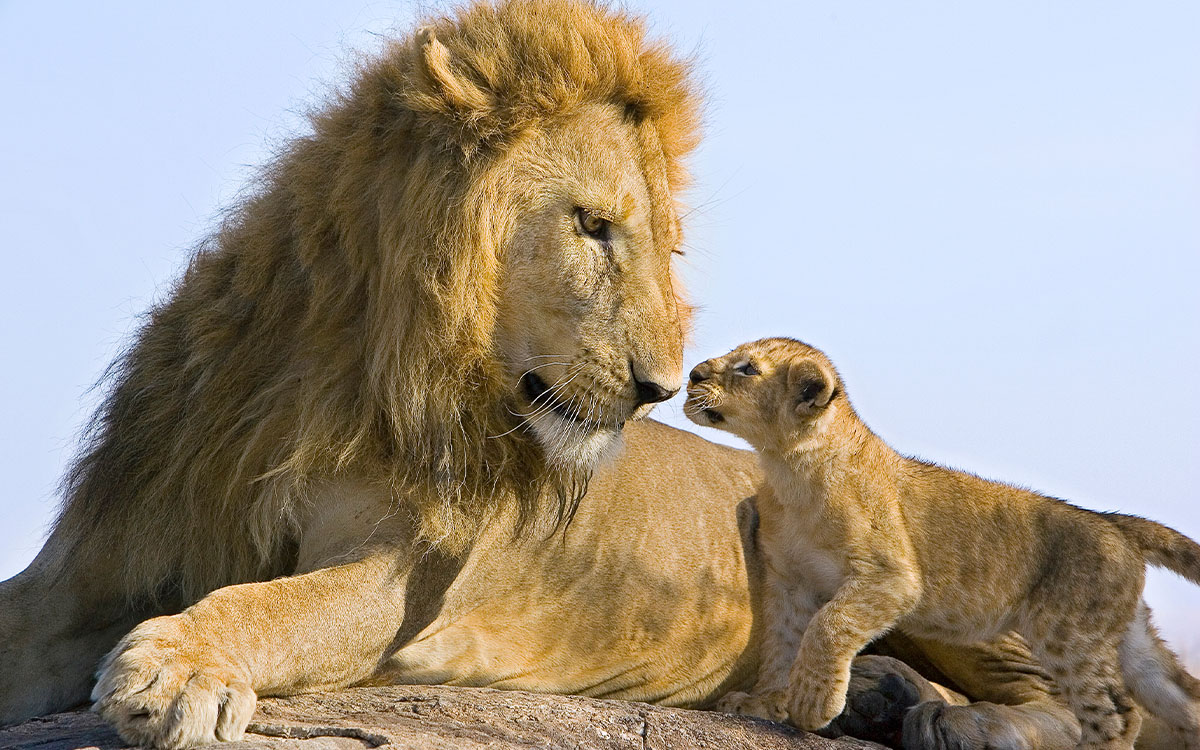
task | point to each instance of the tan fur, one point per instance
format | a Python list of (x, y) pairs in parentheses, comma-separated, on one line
[(320, 441), (343, 320), (371, 312), (860, 540)]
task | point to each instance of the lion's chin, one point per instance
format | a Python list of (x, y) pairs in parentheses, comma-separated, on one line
[(570, 447)]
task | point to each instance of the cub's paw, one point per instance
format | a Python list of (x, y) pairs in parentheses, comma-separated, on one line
[(816, 700), (769, 705), (732, 702), (163, 687)]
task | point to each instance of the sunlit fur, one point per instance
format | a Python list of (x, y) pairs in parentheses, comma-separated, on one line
[(859, 540), (340, 321)]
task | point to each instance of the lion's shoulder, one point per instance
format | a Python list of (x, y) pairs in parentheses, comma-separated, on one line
[(678, 461), (652, 435)]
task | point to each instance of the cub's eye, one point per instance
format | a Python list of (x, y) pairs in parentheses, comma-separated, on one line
[(593, 225), (746, 369)]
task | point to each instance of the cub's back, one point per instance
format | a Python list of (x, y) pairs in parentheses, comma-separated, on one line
[(982, 545)]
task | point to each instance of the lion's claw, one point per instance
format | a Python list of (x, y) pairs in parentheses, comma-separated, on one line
[(162, 688)]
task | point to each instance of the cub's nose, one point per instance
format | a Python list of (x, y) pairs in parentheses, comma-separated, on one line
[(649, 392), (702, 371)]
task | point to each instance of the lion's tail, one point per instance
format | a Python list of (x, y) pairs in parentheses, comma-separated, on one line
[(1163, 547)]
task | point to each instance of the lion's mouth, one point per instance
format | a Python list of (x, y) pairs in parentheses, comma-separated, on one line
[(539, 396)]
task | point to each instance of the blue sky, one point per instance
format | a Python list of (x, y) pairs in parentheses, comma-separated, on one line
[(987, 214)]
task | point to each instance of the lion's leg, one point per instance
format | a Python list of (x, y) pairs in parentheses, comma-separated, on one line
[(1015, 706), (56, 622), (192, 678), (784, 617)]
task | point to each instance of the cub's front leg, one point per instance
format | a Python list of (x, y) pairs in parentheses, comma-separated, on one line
[(785, 614), (867, 604)]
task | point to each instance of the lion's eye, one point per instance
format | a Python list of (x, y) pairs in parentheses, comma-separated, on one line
[(746, 369), (593, 225)]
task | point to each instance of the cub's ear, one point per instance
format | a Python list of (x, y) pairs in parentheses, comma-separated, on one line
[(810, 385)]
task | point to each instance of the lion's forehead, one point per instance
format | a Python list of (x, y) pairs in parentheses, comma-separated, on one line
[(615, 152)]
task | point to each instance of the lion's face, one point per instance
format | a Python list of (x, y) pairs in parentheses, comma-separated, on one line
[(589, 326)]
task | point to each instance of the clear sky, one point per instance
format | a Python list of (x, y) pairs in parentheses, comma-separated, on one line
[(987, 214)]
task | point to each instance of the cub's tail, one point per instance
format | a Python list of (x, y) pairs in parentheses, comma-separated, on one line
[(1163, 547)]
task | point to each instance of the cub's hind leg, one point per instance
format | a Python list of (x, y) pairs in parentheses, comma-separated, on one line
[(1088, 673), (1158, 682)]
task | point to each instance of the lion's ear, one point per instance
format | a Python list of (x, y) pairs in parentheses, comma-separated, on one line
[(810, 385), (469, 103)]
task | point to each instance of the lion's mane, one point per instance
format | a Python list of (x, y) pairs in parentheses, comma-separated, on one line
[(339, 322)]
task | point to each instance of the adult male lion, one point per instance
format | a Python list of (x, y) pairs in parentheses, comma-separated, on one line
[(437, 316)]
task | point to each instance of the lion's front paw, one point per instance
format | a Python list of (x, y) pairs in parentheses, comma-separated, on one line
[(163, 687), (937, 725), (817, 700), (881, 692), (769, 705)]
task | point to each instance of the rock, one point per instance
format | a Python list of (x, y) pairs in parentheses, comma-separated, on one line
[(452, 718)]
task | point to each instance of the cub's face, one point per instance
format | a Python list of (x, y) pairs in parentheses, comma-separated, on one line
[(589, 325), (770, 392)]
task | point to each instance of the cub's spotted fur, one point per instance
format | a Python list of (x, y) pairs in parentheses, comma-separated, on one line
[(860, 540)]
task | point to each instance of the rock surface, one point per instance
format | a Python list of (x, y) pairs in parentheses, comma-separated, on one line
[(450, 718)]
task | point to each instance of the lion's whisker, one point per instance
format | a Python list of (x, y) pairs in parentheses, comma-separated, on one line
[(559, 385), (547, 397), (546, 356), (538, 367)]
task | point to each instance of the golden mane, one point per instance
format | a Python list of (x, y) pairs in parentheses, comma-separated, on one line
[(339, 321)]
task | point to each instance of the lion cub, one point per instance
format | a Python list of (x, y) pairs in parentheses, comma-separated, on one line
[(859, 540)]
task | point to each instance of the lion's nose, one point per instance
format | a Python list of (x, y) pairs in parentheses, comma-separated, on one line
[(652, 393), (702, 371), (649, 391)]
